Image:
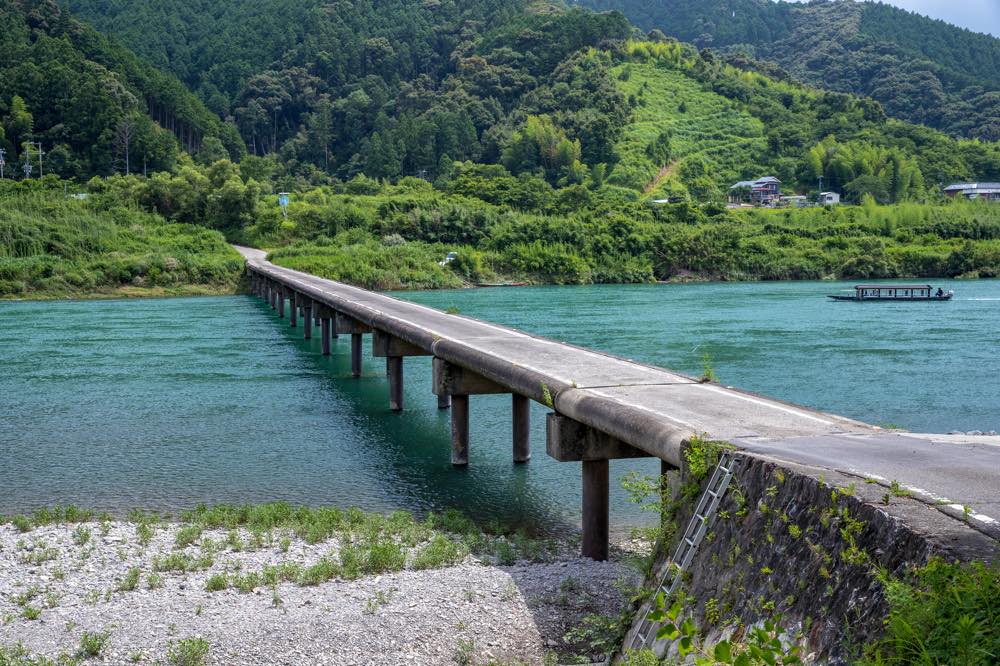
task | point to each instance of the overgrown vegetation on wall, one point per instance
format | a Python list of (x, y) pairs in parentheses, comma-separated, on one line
[(793, 564)]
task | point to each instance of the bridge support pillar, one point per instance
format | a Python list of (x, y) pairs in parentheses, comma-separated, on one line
[(324, 332), (294, 308), (356, 340), (395, 367), (595, 510), (459, 383), (273, 295), (567, 440), (357, 329), (521, 410), (326, 316), (307, 319), (444, 402), (394, 350), (459, 430)]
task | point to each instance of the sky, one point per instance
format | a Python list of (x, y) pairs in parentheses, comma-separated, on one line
[(977, 15)]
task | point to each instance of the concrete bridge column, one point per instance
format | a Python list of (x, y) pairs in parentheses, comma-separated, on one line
[(356, 342), (567, 440), (459, 430), (280, 295), (293, 307), (394, 350), (357, 329), (324, 331), (458, 383), (273, 294), (325, 316), (307, 318), (521, 411)]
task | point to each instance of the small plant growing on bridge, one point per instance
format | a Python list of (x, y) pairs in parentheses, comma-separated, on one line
[(547, 397), (897, 490), (767, 643), (708, 375)]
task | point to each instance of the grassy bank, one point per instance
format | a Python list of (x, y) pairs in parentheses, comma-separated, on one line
[(55, 247)]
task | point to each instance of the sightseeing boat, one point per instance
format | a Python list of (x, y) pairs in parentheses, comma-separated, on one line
[(896, 292)]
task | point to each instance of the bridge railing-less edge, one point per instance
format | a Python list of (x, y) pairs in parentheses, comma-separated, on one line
[(586, 425)]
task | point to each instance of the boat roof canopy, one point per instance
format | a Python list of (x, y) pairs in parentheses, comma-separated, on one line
[(894, 286)]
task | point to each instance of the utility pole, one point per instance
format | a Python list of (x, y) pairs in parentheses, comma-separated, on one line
[(3, 162), (41, 170), (27, 169)]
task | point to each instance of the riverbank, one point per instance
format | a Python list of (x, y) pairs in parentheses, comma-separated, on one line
[(129, 292), (322, 586)]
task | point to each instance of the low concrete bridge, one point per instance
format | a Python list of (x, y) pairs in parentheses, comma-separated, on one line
[(606, 407)]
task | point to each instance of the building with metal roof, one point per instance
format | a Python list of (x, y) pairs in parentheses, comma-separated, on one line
[(984, 191)]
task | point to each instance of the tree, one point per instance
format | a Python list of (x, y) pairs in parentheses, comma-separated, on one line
[(659, 149), (541, 143), (211, 151), (19, 123), (124, 131)]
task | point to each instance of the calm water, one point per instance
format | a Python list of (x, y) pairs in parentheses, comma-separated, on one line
[(163, 404)]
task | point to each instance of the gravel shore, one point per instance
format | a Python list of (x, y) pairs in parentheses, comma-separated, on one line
[(59, 581)]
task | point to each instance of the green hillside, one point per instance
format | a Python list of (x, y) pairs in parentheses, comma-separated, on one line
[(698, 125), (93, 105), (922, 70)]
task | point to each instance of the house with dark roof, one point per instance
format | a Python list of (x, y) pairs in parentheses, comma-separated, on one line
[(761, 192), (979, 191)]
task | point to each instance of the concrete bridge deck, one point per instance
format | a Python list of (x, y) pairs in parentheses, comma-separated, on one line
[(628, 409)]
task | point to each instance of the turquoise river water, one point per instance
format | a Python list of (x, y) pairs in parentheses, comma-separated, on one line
[(162, 404)]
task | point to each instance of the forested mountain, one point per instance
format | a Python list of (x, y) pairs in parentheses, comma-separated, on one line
[(347, 86), (409, 87), (922, 70), (94, 106)]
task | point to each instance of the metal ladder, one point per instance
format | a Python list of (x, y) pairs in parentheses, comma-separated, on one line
[(708, 504)]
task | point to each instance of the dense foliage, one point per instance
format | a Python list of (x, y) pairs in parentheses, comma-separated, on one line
[(921, 70), (943, 614), (93, 105), (387, 88), (54, 246)]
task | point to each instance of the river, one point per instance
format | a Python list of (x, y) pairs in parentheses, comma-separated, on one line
[(162, 404)]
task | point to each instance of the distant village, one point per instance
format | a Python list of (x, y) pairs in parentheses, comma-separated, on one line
[(766, 193)]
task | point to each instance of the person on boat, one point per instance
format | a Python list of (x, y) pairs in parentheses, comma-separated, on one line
[(940, 292)]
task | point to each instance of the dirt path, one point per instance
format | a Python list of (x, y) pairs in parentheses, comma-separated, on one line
[(665, 172)]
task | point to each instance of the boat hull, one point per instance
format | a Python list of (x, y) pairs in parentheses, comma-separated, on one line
[(936, 299)]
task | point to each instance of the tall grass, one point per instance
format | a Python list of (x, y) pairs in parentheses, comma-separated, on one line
[(52, 246)]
